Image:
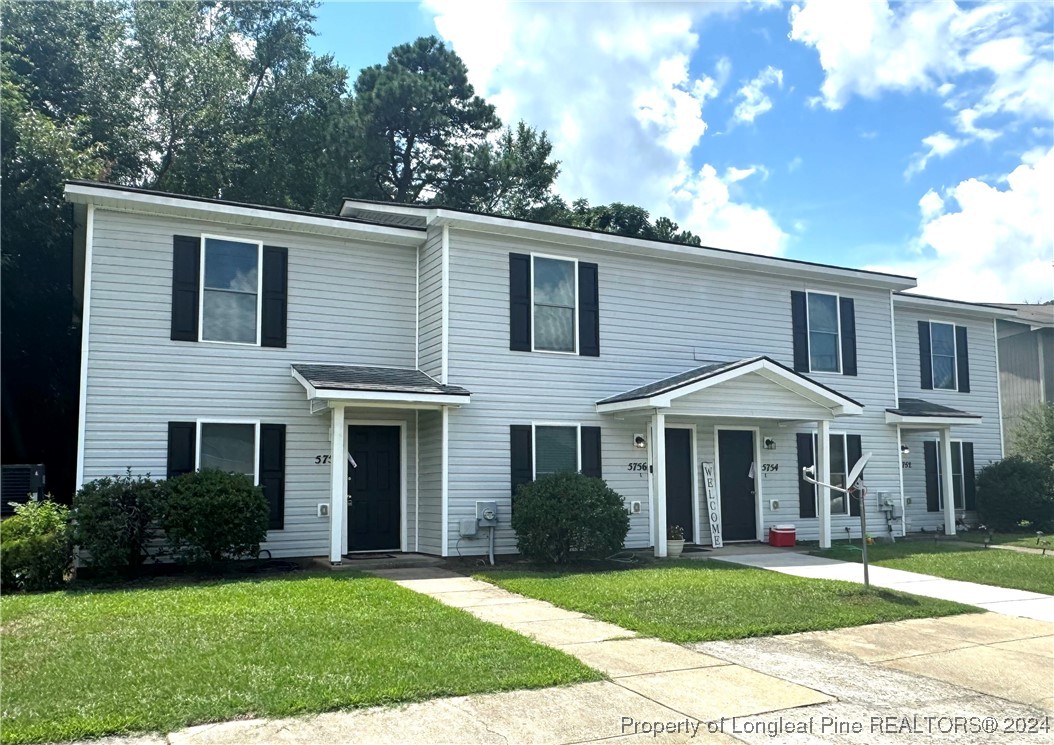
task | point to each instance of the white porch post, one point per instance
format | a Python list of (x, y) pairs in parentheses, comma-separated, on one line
[(947, 482), (658, 426), (823, 475), (338, 505)]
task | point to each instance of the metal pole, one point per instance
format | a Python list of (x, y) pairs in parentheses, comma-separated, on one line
[(861, 492)]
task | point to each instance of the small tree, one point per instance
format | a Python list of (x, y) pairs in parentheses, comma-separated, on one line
[(116, 518), (35, 547), (211, 515), (1033, 437), (1013, 490), (561, 514)]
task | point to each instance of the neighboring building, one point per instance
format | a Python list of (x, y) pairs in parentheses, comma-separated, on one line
[(1026, 361), (426, 360)]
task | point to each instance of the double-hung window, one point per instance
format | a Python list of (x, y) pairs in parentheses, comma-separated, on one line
[(839, 473), (942, 355), (556, 449), (230, 290), (229, 447), (958, 484), (824, 332), (555, 299), (824, 344)]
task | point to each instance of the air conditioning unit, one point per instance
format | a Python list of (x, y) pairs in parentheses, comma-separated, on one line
[(20, 483)]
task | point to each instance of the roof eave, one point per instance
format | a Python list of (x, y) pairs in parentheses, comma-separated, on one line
[(110, 197), (922, 422), (961, 307)]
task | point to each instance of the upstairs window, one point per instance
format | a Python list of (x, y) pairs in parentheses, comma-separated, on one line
[(555, 305), (230, 291), (942, 355), (823, 333)]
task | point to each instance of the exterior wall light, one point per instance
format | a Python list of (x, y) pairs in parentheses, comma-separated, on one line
[(639, 442), (904, 450), (770, 444)]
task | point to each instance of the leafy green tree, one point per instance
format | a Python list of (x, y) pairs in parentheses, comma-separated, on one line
[(1033, 437), (413, 116)]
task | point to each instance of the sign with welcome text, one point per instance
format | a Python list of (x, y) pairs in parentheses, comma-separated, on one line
[(713, 504)]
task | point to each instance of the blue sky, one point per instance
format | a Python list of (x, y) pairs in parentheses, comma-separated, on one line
[(916, 138)]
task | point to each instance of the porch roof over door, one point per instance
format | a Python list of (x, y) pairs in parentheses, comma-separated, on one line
[(766, 389), (376, 386)]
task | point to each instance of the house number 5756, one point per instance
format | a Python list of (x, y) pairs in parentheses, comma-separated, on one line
[(321, 460)]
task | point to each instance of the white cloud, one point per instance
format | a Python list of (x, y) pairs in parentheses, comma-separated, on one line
[(995, 57), (939, 145), (755, 101), (617, 95), (989, 242)]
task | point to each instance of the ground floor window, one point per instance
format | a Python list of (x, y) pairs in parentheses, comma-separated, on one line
[(555, 449), (958, 484), (839, 473), (230, 447)]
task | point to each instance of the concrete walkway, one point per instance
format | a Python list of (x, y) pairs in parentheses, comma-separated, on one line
[(1008, 602)]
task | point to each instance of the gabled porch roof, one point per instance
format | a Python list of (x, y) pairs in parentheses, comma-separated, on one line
[(662, 394)]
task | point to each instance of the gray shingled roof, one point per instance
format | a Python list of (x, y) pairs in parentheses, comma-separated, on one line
[(918, 407), (381, 379), (676, 381), (702, 373)]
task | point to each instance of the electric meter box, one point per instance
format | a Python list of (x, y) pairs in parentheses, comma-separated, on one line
[(487, 514)]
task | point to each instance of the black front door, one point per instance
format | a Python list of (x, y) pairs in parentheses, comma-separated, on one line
[(736, 465), (373, 488), (679, 480)]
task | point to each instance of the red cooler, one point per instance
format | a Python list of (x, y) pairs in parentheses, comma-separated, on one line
[(782, 536)]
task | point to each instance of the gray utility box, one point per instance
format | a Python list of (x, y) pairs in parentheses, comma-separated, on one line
[(487, 514)]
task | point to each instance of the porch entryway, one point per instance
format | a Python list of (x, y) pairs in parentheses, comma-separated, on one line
[(375, 494), (731, 400)]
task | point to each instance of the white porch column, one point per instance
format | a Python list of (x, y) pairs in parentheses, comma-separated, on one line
[(947, 482), (823, 475), (338, 505), (658, 428)]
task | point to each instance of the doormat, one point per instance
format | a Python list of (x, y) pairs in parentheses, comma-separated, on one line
[(370, 555), (694, 550)]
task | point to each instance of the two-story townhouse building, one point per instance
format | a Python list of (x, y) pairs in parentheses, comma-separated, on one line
[(383, 371)]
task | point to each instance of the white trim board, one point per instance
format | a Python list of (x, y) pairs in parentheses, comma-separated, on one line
[(82, 403)]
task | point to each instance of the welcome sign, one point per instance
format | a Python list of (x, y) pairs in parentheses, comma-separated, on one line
[(713, 504)]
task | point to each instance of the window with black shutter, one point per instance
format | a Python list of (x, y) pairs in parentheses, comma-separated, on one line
[(554, 305), (944, 357), (823, 333)]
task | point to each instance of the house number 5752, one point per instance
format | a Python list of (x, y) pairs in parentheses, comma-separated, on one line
[(321, 460)]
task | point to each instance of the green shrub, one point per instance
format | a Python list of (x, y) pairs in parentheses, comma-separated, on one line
[(116, 518), (36, 547), (1033, 437), (1012, 490), (562, 514), (211, 515)]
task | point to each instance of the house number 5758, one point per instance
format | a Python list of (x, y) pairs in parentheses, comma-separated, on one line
[(321, 460)]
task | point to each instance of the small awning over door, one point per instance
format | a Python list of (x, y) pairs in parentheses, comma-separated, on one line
[(382, 386), (914, 413)]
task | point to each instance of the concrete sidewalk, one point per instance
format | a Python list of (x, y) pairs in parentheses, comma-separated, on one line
[(1008, 602)]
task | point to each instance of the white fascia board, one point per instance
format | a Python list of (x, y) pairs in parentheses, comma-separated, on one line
[(565, 237), (930, 422), (256, 217), (638, 403), (954, 306)]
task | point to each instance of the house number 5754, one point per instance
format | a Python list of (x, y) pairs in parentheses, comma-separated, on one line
[(321, 460)]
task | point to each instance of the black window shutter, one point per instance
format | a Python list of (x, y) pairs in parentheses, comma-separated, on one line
[(521, 455), (962, 359), (933, 500), (969, 477), (925, 363), (181, 448), (591, 452), (520, 302), (853, 451), (186, 279), (800, 323), (275, 291), (588, 310), (272, 472), (806, 491), (847, 312)]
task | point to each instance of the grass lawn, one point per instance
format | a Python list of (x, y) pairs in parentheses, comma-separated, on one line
[(993, 566), (164, 655), (1025, 540), (691, 601)]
